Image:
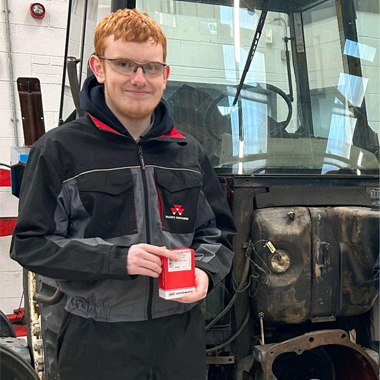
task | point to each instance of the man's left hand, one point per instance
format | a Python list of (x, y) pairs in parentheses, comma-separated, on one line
[(201, 287)]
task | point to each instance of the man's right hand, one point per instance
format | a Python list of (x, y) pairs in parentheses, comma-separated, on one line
[(144, 259)]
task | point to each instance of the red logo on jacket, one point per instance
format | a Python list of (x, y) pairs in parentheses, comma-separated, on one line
[(177, 209)]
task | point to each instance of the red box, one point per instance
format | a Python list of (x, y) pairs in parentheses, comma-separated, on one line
[(177, 277)]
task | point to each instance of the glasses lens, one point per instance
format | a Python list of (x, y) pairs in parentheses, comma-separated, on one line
[(124, 66), (153, 69)]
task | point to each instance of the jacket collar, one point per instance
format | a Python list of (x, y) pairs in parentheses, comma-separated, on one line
[(172, 134)]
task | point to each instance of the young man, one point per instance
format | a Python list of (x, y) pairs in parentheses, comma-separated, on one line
[(96, 213)]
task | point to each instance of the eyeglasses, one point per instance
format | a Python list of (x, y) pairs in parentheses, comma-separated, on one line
[(128, 67)]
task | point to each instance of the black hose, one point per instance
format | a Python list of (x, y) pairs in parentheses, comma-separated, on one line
[(74, 84), (237, 293), (49, 300), (233, 337)]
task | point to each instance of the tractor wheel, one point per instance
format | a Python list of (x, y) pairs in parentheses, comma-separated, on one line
[(43, 324), (13, 366), (6, 328)]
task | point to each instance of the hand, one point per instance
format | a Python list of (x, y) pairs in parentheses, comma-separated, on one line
[(144, 259), (201, 283)]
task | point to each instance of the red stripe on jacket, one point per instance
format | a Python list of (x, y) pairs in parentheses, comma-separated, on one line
[(103, 126), (173, 132)]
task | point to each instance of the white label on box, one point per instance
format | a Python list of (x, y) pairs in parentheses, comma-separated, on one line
[(175, 293), (184, 262)]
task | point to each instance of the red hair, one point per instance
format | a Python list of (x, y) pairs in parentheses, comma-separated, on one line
[(132, 26)]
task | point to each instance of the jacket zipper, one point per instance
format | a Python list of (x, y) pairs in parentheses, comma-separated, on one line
[(142, 164)]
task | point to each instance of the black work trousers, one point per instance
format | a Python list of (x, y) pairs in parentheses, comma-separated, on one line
[(169, 348)]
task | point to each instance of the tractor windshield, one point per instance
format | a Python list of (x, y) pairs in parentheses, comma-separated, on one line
[(310, 99)]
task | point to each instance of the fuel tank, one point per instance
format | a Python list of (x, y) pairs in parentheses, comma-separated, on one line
[(313, 263)]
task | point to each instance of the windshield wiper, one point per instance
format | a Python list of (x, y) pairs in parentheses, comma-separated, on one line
[(253, 48)]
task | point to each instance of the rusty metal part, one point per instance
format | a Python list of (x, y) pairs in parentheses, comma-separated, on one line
[(285, 297), (220, 360), (33, 321), (332, 251), (348, 361), (33, 123), (375, 199), (261, 316), (280, 262), (291, 215), (242, 368)]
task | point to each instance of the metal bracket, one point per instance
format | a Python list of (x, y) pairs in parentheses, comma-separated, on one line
[(33, 122), (220, 360)]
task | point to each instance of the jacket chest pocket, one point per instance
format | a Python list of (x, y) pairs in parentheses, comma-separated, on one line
[(108, 198), (178, 193)]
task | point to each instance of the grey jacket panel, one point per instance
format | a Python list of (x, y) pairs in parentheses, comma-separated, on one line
[(138, 190), (155, 224), (108, 300)]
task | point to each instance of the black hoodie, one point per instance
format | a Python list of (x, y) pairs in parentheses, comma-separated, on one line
[(93, 101)]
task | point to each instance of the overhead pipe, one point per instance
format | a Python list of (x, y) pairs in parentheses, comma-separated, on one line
[(84, 25), (10, 68), (60, 117)]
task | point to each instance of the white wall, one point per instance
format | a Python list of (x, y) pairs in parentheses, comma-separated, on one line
[(37, 51)]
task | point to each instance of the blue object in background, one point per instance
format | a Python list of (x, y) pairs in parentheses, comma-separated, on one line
[(19, 157)]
